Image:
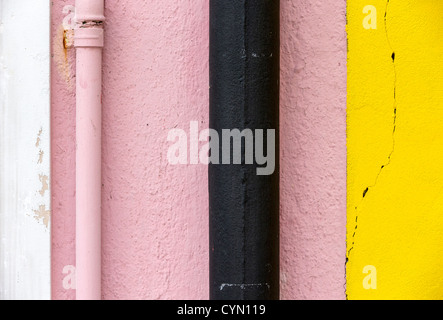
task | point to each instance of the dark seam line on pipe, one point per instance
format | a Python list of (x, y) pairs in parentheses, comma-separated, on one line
[(244, 178)]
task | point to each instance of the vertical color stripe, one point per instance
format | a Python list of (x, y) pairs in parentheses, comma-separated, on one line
[(395, 153), (25, 213)]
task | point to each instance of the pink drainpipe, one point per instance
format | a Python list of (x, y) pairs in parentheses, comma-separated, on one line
[(88, 41)]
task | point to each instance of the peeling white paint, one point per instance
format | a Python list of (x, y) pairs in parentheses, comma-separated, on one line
[(25, 150)]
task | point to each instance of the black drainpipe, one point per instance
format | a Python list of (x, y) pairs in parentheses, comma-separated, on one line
[(244, 94)]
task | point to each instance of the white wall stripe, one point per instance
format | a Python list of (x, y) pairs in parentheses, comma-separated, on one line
[(25, 255)]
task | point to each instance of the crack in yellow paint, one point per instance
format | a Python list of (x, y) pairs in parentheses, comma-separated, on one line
[(394, 130), (395, 107)]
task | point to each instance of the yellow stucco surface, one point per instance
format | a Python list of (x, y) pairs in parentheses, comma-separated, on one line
[(395, 150)]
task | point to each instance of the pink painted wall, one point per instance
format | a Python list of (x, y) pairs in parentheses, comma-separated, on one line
[(155, 216)]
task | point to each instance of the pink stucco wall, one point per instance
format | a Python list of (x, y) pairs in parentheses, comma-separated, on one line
[(155, 216)]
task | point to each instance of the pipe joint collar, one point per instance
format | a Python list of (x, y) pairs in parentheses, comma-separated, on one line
[(89, 38)]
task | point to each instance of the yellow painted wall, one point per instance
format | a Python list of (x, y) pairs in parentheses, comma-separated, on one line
[(395, 150)]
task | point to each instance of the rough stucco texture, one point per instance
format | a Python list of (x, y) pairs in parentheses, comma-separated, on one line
[(313, 139), (155, 216)]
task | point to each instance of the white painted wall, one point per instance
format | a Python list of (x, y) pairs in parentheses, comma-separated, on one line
[(25, 255)]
